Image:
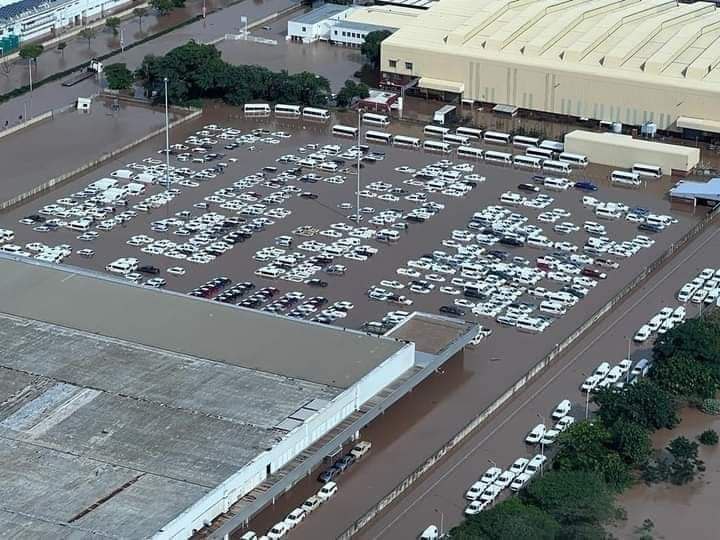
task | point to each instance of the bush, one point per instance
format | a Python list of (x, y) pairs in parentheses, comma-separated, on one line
[(711, 406), (709, 437)]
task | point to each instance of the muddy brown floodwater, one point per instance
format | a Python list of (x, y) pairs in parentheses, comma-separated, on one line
[(686, 511)]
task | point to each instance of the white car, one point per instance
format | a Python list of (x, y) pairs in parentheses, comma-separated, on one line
[(327, 491), (562, 409), (678, 315), (590, 383), (279, 530), (475, 507), (490, 494), (491, 475), (564, 423), (504, 479), (642, 334), (535, 464), (519, 465), (602, 370), (535, 434), (294, 518), (476, 490), (520, 481), (549, 437)]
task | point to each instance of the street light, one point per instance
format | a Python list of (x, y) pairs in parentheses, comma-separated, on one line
[(442, 519), (167, 137), (587, 400), (360, 112), (542, 445)]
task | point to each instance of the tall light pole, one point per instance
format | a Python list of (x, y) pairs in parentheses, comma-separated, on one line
[(31, 85), (542, 444), (587, 401), (360, 112), (167, 144)]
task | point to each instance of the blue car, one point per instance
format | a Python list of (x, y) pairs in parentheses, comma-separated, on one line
[(586, 186)]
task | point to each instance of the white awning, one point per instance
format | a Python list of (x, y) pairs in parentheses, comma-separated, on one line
[(699, 124), (441, 85)]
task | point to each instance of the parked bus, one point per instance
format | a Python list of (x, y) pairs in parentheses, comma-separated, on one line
[(556, 166), (652, 171), (496, 137), (437, 146), (470, 152), (256, 108), (378, 136), (315, 113), (456, 139), (435, 131), (376, 119), (542, 153), (345, 131), (498, 157), (473, 133), (288, 110), (625, 178), (519, 141), (574, 159), (554, 146), (527, 162), (402, 140)]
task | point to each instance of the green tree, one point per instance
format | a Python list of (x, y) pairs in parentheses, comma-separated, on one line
[(350, 91), (140, 12), (61, 47), (371, 46), (163, 6), (697, 338), (113, 23), (31, 52), (573, 498), (585, 446), (644, 403), (118, 76), (88, 34), (682, 375), (631, 441), (709, 437), (685, 462), (510, 519)]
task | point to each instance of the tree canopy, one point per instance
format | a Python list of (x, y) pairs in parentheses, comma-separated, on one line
[(697, 338), (644, 403), (371, 46), (683, 375), (31, 51), (508, 520), (350, 91), (196, 71), (118, 76)]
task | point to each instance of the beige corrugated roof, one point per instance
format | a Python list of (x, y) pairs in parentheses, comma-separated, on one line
[(639, 38)]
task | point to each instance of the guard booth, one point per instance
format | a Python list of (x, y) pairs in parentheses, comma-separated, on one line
[(83, 104)]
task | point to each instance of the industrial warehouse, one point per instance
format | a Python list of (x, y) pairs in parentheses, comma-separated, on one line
[(158, 411), (633, 61)]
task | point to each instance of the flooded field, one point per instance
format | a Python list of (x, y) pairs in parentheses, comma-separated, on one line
[(678, 511), (46, 150)]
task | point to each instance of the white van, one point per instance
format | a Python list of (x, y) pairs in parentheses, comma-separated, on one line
[(122, 266), (123, 174), (269, 272), (608, 213), (387, 235), (562, 297), (82, 224), (431, 533), (552, 307), (6, 235), (135, 189), (511, 198), (557, 184)]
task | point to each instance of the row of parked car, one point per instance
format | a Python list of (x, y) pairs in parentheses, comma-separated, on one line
[(702, 289)]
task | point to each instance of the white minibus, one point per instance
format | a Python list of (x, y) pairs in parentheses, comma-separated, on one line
[(625, 178), (527, 162), (521, 141), (542, 153), (402, 140), (315, 114), (496, 137), (376, 119), (257, 108), (340, 130), (470, 152), (556, 166), (288, 110), (555, 146), (498, 157), (473, 133), (652, 171), (378, 136), (574, 159), (437, 146), (435, 131)]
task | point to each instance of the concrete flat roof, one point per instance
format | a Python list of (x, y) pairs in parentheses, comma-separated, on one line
[(240, 337), (627, 141), (116, 438)]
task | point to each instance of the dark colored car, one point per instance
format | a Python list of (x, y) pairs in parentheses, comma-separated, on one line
[(649, 227), (329, 474), (308, 195), (528, 187), (345, 462), (317, 283), (148, 269), (452, 310), (511, 242), (585, 186)]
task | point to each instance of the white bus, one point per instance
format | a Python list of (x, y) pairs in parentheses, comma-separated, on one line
[(555, 146), (625, 178), (378, 136), (315, 113), (473, 133), (456, 139), (402, 140), (519, 141), (435, 131), (376, 119), (496, 137), (344, 131), (527, 162), (469, 152), (574, 159), (653, 171), (437, 146), (556, 166), (542, 153), (256, 108), (498, 157), (288, 110)]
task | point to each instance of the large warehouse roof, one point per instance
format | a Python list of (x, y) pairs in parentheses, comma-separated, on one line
[(112, 421), (637, 37), (224, 333)]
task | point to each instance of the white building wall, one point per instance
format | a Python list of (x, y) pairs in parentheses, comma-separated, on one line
[(253, 474)]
